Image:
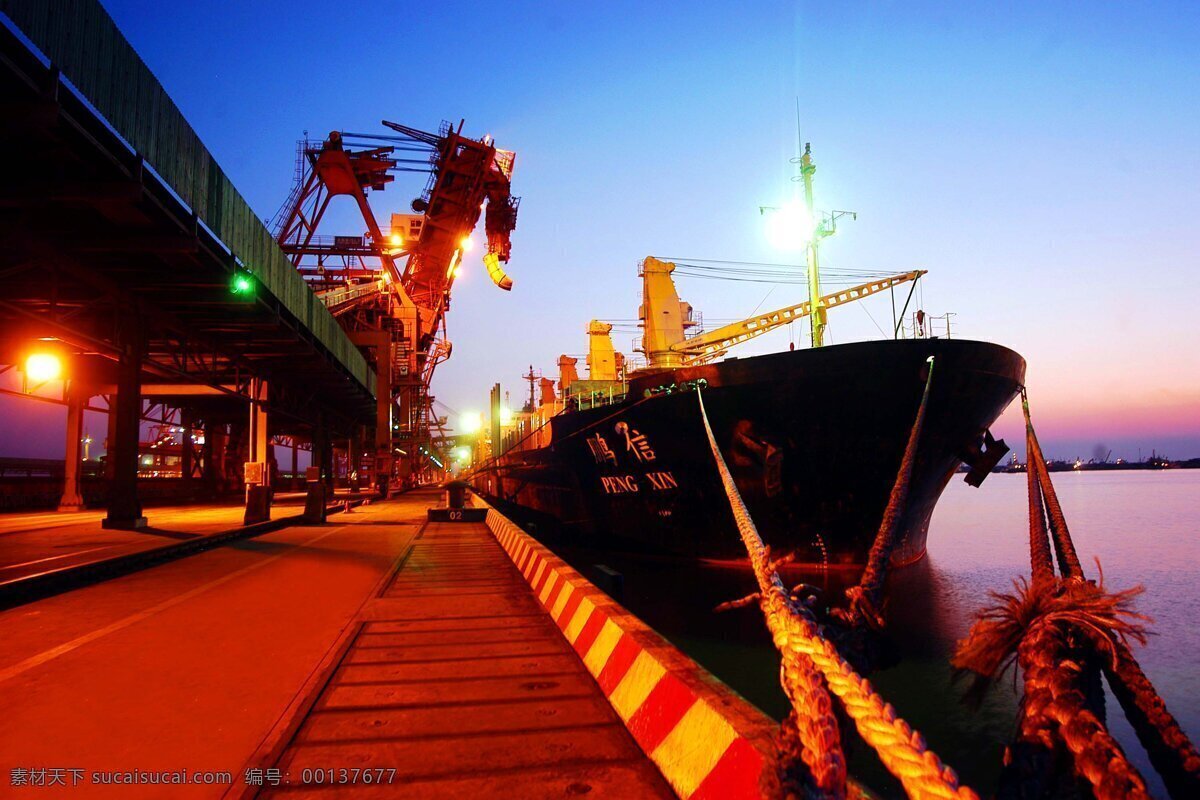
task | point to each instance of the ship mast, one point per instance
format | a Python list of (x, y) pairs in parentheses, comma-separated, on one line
[(817, 318), (818, 230), (532, 378)]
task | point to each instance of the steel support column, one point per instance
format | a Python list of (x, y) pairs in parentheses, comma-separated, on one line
[(328, 466), (381, 342), (124, 507), (353, 448), (72, 497), (214, 456), (314, 501), (189, 464), (258, 487), (110, 435)]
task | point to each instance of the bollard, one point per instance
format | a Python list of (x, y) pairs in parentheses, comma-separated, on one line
[(314, 500), (455, 509), (456, 494)]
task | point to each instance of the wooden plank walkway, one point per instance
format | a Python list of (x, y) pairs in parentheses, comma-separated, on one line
[(455, 684)]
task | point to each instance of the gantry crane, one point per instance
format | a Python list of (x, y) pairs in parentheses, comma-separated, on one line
[(397, 315)]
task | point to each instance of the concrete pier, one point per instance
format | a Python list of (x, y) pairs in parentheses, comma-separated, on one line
[(456, 683), (376, 653)]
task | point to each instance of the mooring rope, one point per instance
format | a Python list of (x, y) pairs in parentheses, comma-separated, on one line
[(1169, 748), (1053, 692), (1041, 560), (1038, 625), (1068, 559), (866, 599), (1171, 751), (799, 639), (1058, 629)]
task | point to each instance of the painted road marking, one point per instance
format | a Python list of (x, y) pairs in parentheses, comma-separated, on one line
[(54, 558), (133, 619)]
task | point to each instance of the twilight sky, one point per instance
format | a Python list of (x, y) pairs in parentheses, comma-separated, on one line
[(1041, 160)]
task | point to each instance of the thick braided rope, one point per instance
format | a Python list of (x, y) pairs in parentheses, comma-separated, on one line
[(867, 597), (901, 749), (1068, 559), (1040, 557), (1171, 751), (815, 742), (1052, 691), (816, 722)]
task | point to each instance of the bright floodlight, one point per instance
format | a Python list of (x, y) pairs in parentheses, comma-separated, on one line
[(789, 228), (466, 244), (505, 415), (471, 422), (397, 239), (42, 367), (462, 453)]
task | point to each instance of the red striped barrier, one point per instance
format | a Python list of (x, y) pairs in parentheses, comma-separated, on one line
[(707, 741)]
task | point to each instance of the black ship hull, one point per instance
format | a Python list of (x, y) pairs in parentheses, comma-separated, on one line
[(814, 439)]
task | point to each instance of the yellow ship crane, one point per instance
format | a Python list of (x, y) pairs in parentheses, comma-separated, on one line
[(713, 344), (665, 317)]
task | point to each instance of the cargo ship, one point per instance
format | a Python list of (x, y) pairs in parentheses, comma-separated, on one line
[(813, 437)]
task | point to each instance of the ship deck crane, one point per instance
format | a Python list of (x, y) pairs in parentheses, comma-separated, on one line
[(666, 317), (705, 347)]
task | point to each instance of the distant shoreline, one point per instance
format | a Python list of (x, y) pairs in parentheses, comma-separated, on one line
[(1153, 464)]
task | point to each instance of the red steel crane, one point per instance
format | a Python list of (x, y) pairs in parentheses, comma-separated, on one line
[(390, 289)]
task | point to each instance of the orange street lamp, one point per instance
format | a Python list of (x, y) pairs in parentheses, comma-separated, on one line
[(41, 368)]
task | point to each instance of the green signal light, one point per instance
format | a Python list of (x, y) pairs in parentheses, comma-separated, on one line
[(241, 284)]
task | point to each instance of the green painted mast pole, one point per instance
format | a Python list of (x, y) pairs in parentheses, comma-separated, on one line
[(817, 318)]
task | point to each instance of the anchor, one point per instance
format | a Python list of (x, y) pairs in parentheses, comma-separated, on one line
[(982, 457)]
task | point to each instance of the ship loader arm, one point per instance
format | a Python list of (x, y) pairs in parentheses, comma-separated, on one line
[(705, 347)]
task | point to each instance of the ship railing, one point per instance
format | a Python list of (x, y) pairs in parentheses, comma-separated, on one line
[(925, 326), (582, 401), (599, 398)]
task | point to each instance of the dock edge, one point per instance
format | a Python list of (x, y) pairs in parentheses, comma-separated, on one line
[(706, 740)]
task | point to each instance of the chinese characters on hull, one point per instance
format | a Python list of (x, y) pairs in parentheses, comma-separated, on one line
[(635, 442), (640, 452)]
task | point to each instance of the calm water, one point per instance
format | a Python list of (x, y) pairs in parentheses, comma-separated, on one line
[(1143, 526)]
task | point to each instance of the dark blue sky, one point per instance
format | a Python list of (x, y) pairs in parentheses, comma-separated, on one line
[(1039, 159)]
